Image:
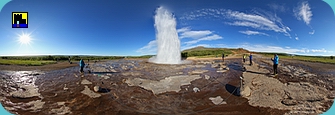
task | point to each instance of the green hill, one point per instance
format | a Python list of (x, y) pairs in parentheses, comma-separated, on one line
[(211, 52)]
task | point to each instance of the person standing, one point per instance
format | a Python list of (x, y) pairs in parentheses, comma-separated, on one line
[(222, 57), (275, 64), (250, 58), (69, 59), (82, 65), (244, 56)]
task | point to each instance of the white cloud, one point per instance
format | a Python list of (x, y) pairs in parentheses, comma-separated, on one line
[(297, 38), (207, 38), (312, 32), (248, 32), (278, 49), (183, 29), (289, 29), (277, 7), (197, 36), (246, 24), (194, 34), (303, 12), (260, 20), (150, 48), (261, 48), (319, 51)]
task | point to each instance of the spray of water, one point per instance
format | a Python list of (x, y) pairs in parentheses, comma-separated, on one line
[(168, 43)]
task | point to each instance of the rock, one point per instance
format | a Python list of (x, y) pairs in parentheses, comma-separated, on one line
[(172, 83), (179, 73), (195, 89), (96, 88), (90, 93), (199, 66), (84, 81), (221, 70), (105, 76), (246, 91), (289, 102), (61, 111), (199, 71), (28, 92), (207, 77), (60, 103), (215, 65), (217, 100), (65, 88), (35, 105)]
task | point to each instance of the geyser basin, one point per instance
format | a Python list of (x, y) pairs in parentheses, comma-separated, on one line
[(168, 43)]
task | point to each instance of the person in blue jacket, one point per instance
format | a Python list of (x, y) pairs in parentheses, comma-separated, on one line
[(82, 65), (275, 64), (250, 58)]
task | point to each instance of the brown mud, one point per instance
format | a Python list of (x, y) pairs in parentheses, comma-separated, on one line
[(66, 91)]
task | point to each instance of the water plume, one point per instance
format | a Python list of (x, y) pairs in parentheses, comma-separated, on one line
[(168, 43)]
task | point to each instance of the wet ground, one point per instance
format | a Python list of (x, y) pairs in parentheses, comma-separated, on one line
[(66, 91)]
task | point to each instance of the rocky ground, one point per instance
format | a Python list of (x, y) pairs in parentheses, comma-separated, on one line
[(201, 87)]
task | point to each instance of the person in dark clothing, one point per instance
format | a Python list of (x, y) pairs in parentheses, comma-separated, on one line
[(69, 59), (222, 57), (250, 58), (82, 65), (275, 61)]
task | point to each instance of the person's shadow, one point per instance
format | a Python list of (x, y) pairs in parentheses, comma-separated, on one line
[(256, 72), (233, 90)]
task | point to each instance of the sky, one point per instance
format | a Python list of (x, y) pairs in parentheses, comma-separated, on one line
[(126, 27)]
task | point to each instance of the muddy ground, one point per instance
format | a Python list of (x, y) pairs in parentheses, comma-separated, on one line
[(206, 87)]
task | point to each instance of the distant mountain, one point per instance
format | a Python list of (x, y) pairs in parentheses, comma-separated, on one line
[(201, 48)]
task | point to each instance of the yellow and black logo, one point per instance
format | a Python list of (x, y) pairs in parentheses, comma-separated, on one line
[(19, 19)]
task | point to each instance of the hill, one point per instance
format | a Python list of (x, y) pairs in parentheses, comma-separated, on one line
[(211, 52)]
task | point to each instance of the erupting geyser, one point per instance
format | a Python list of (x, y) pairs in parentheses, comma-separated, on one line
[(168, 43)]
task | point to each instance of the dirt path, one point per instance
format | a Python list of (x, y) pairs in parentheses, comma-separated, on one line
[(265, 90)]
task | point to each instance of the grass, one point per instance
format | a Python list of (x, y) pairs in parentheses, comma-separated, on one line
[(207, 56), (307, 58), (25, 62)]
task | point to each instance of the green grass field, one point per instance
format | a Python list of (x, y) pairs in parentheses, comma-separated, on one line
[(307, 58), (25, 62)]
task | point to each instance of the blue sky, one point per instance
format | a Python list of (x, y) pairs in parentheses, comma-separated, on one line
[(126, 27)]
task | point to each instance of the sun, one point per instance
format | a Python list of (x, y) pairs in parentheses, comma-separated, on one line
[(24, 39)]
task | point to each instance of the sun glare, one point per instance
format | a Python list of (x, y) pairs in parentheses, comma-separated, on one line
[(24, 38)]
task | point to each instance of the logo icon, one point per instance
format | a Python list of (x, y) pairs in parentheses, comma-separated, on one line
[(19, 19)]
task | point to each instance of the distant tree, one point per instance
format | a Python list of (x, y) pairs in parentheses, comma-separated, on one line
[(331, 57)]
